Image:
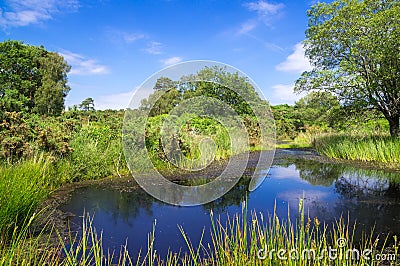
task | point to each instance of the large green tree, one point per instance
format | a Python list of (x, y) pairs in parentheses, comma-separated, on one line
[(32, 79), (354, 48)]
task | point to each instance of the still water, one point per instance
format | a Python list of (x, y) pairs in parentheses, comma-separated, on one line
[(371, 198)]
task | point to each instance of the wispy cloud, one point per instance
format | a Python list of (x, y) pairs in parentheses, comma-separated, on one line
[(264, 9), (115, 101), (125, 37), (16, 13), (284, 93), (122, 100), (121, 37), (132, 37), (81, 65), (247, 26), (171, 61), (154, 48), (295, 62), (265, 14)]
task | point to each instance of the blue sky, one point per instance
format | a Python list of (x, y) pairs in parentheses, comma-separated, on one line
[(113, 46)]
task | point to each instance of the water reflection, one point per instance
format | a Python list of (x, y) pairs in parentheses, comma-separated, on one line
[(370, 197)]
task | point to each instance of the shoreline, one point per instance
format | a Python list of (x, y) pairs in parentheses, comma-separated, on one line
[(127, 183)]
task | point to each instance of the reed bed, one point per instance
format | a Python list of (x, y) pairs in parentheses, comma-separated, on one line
[(366, 148), (244, 239)]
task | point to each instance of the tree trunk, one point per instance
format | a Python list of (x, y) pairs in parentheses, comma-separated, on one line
[(394, 126)]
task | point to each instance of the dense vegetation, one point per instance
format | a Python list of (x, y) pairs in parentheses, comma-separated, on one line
[(183, 113), (351, 109), (242, 240), (354, 49), (32, 79)]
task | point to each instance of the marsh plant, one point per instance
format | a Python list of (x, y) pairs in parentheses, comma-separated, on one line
[(242, 239)]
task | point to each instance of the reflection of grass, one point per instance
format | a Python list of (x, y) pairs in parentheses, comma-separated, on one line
[(237, 242), (383, 149)]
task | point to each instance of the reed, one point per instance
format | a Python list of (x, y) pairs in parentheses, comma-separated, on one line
[(366, 148), (244, 239), (22, 188)]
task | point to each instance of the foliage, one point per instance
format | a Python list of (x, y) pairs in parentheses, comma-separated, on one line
[(238, 242), (370, 148), (287, 121), (321, 112), (32, 79), (87, 104), (22, 188), (354, 49), (230, 88)]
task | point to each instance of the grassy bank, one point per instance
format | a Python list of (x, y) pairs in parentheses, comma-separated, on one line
[(39, 154), (242, 240), (366, 148), (22, 188)]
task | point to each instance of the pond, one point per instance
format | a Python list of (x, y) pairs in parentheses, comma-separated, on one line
[(369, 197)]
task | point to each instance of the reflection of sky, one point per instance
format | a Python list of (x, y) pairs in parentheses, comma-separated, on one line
[(366, 183), (124, 216), (290, 172)]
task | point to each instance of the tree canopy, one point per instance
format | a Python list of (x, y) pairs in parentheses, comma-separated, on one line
[(354, 48), (87, 104), (32, 79), (215, 82)]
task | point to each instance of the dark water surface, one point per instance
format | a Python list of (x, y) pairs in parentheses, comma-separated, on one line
[(369, 197)]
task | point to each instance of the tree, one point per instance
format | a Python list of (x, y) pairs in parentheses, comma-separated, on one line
[(354, 48), (318, 108), (87, 104), (32, 79), (49, 98)]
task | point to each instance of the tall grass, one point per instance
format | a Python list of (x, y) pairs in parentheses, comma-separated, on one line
[(303, 242), (25, 249), (22, 188), (369, 148), (241, 240)]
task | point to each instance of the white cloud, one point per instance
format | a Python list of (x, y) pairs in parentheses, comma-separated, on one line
[(122, 100), (295, 62), (81, 65), (265, 13), (154, 48), (17, 13), (171, 61), (264, 8), (113, 101), (283, 93)]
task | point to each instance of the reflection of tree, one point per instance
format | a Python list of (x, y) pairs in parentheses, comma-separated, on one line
[(123, 205), (318, 173), (345, 177), (357, 181), (321, 174), (233, 198)]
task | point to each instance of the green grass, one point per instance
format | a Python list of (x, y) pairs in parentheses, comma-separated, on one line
[(366, 148), (237, 242), (22, 188)]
